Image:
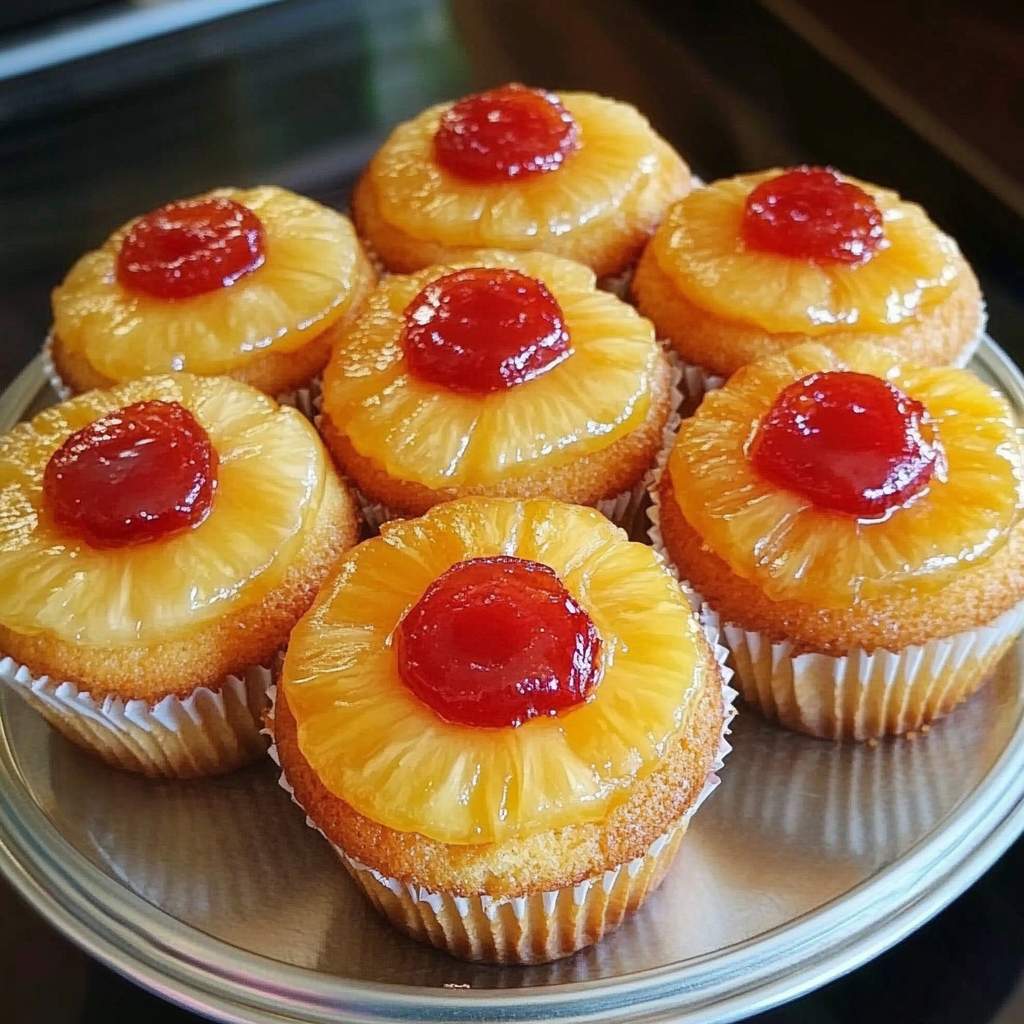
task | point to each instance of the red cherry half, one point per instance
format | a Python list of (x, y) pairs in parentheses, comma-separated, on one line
[(496, 641), (190, 248), (140, 474), (507, 133), (849, 443), (809, 213)]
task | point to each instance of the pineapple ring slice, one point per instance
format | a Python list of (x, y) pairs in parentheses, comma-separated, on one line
[(700, 247), (375, 745), (427, 434), (616, 152), (797, 552), (270, 480), (304, 286)]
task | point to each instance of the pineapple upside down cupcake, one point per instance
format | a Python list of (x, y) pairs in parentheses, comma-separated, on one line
[(158, 541), (514, 168), (246, 283), (854, 522), (502, 715), (751, 265), (511, 376)]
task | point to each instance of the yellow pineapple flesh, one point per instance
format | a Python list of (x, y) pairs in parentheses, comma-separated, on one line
[(798, 552), (270, 481), (375, 745), (305, 285), (700, 247), (616, 152), (439, 438)]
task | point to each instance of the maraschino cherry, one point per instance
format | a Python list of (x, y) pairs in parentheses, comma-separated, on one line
[(496, 641), (140, 474), (505, 134), (482, 330), (849, 443), (191, 247), (810, 213)]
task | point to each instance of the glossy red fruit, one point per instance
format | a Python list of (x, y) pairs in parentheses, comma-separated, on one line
[(482, 330), (496, 641), (809, 213), (507, 133), (849, 443), (191, 247), (133, 476)]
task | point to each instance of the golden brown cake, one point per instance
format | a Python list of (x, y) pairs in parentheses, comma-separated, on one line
[(509, 376), (158, 541), (575, 174), (748, 266), (854, 522), (252, 284), (502, 715)]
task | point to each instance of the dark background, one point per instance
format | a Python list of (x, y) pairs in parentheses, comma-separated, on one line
[(925, 97)]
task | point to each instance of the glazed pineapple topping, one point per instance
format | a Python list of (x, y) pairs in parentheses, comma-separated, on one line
[(139, 474), (507, 133), (809, 213), (483, 329), (191, 247), (496, 641), (848, 442)]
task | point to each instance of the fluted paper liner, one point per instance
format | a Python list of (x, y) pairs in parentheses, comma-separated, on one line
[(541, 926), (306, 398), (62, 391), (209, 732), (862, 694)]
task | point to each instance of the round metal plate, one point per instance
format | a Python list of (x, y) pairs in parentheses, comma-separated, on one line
[(810, 858)]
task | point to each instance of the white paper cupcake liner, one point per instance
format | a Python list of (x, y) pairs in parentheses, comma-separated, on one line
[(867, 694), (306, 398), (62, 391), (862, 694), (618, 284), (695, 382), (541, 926), (207, 733)]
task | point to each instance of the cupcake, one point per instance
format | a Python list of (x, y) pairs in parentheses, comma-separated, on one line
[(502, 715), (158, 541), (514, 168), (749, 266), (854, 522), (246, 283), (509, 376)]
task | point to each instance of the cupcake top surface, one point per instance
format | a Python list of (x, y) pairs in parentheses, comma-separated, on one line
[(205, 284), (493, 670), (805, 250), (512, 167), (486, 371), (136, 515), (830, 474)]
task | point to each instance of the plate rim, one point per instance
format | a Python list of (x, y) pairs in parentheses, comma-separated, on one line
[(210, 976)]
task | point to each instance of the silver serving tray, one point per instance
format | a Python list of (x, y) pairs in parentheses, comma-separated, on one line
[(810, 859)]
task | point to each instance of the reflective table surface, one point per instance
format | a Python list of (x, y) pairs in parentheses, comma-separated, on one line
[(300, 93)]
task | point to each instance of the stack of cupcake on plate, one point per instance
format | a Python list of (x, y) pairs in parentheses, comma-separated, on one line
[(500, 710)]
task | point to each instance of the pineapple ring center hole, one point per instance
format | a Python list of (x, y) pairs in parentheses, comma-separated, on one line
[(494, 642), (140, 474), (482, 330), (505, 134), (810, 213), (191, 247), (849, 443)]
